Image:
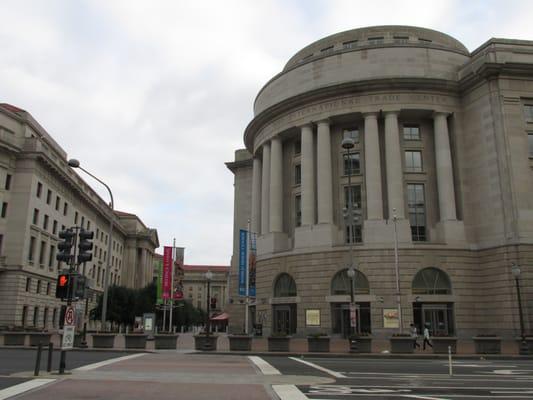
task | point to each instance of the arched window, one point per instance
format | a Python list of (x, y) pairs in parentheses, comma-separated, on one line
[(431, 281), (285, 286), (340, 284)]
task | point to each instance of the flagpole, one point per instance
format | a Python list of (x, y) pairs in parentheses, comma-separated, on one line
[(172, 285)]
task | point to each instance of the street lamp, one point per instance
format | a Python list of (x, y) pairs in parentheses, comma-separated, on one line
[(515, 269), (397, 270), (76, 164), (208, 277), (348, 144)]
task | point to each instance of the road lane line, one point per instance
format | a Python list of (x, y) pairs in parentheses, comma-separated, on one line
[(23, 387), (327, 371), (263, 366), (289, 392), (414, 396), (90, 367)]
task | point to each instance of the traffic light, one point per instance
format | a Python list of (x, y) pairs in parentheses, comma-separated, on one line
[(85, 246), (80, 285), (213, 303), (65, 247), (64, 285)]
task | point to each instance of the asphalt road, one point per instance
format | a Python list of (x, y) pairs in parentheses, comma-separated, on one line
[(14, 361), (375, 378)]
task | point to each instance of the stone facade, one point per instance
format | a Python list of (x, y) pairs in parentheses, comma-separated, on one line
[(195, 285), (440, 169), (41, 196)]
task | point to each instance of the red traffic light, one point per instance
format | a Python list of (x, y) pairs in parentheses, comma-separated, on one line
[(63, 280)]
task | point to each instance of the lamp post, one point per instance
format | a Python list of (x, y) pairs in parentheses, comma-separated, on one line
[(515, 269), (76, 164), (397, 270), (348, 144), (208, 277)]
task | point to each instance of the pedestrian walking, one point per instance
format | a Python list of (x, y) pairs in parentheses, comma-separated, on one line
[(414, 335), (426, 338)]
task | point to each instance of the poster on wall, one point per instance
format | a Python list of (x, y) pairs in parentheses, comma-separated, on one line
[(312, 317), (390, 318)]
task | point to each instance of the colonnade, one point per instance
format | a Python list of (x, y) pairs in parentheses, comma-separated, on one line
[(267, 185)]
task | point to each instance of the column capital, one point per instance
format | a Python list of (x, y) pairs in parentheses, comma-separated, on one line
[(370, 114), (323, 121), (444, 114), (391, 113), (305, 125)]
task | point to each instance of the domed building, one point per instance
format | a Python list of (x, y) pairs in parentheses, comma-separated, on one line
[(387, 180)]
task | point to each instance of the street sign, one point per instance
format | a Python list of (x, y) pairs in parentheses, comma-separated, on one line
[(68, 337), (69, 316)]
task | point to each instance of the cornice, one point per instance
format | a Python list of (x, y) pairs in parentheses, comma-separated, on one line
[(235, 165)]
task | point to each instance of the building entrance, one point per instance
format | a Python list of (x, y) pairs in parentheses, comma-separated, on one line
[(341, 319), (438, 317), (284, 318)]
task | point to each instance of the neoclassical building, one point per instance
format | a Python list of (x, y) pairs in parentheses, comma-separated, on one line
[(441, 165)]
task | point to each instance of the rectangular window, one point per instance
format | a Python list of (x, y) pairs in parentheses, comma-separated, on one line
[(4, 209), (298, 147), (45, 317), (376, 40), (42, 252), (352, 165), (65, 208), (52, 256), (8, 182), (530, 144), (298, 174), (35, 316), (39, 189), (24, 315), (28, 284), (352, 133), (298, 210), (76, 218), (352, 220), (328, 49), (35, 216), (32, 248), (401, 39), (45, 222), (349, 45), (38, 287), (48, 289), (88, 225), (411, 132), (58, 200), (1, 242), (417, 211), (82, 221), (413, 161), (528, 112), (97, 233), (48, 196), (54, 227)]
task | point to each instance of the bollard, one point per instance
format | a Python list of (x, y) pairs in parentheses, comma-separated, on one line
[(450, 371), (50, 354), (38, 360), (62, 362)]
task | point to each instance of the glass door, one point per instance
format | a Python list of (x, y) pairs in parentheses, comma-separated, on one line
[(435, 317), (282, 319)]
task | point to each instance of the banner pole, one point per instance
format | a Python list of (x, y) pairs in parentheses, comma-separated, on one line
[(172, 284)]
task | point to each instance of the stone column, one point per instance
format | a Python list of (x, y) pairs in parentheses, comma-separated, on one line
[(265, 190), (393, 157), (374, 199), (324, 174), (276, 185), (443, 160), (308, 176), (256, 196)]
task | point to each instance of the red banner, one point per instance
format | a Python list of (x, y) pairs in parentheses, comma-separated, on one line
[(167, 271)]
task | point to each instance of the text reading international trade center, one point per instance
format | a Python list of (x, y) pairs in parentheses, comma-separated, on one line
[(390, 168)]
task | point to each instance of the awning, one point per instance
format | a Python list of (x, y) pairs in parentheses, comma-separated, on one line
[(221, 317)]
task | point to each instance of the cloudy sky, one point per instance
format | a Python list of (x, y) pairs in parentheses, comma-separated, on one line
[(153, 96)]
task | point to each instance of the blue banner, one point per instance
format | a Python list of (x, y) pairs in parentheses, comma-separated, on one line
[(243, 250), (251, 265)]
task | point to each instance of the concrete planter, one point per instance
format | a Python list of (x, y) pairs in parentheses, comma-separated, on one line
[(14, 338), (205, 343), (167, 341), (360, 344), (135, 340), (401, 344), (318, 344), (440, 344), (279, 343), (103, 340), (487, 344), (240, 342), (528, 349), (39, 337)]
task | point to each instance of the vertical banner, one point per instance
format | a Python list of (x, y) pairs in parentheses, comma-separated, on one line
[(167, 271), (178, 276), (251, 265), (243, 249), (159, 269)]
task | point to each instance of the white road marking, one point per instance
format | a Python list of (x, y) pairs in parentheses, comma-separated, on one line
[(265, 367), (23, 387), (327, 371), (90, 367), (414, 396), (289, 392)]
